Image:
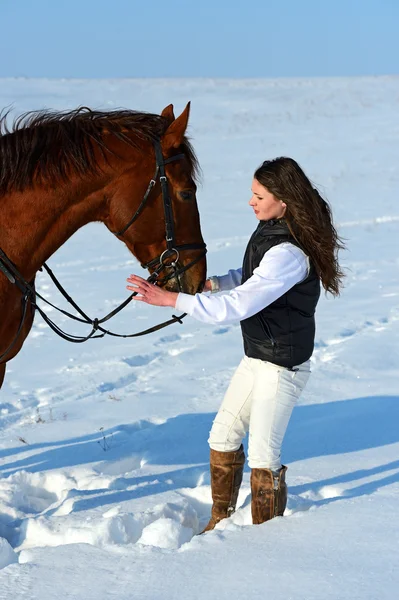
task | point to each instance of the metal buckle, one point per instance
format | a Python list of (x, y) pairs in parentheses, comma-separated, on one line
[(165, 254)]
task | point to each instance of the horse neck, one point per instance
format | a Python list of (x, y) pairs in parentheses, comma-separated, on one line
[(36, 222)]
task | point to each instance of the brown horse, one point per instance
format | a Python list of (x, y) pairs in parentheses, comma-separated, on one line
[(60, 171)]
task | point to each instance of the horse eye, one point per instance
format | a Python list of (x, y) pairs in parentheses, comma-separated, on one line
[(186, 195)]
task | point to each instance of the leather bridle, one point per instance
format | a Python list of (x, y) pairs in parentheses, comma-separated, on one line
[(158, 264), (172, 249)]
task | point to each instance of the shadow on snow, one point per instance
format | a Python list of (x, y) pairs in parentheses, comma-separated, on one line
[(315, 430)]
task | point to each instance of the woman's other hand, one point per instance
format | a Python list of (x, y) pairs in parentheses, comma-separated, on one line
[(150, 293), (207, 286)]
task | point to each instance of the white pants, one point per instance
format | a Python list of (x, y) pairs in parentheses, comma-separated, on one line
[(260, 399)]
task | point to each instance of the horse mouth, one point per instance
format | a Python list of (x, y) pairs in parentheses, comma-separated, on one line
[(183, 286)]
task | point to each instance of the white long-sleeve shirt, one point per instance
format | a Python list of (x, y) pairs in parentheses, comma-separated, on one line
[(280, 269)]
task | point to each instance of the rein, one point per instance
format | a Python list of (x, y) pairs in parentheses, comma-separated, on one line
[(29, 292)]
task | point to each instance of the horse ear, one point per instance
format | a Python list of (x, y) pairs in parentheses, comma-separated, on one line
[(174, 134), (168, 113)]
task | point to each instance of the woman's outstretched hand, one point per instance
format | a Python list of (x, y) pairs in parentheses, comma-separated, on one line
[(150, 293)]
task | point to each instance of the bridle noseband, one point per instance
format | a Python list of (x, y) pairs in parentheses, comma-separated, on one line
[(158, 264)]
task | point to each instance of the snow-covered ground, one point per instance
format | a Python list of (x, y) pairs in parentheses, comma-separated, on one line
[(103, 453)]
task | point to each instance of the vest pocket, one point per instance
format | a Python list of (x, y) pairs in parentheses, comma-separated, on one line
[(266, 330)]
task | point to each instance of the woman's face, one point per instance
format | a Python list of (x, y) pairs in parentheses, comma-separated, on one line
[(265, 205)]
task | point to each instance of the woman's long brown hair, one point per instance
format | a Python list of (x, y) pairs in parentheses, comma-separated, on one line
[(308, 217)]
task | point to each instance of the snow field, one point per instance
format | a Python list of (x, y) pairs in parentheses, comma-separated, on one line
[(103, 455)]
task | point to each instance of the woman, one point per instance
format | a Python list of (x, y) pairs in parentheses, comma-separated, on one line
[(274, 296)]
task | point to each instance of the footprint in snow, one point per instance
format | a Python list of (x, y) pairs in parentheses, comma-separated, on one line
[(221, 330), (175, 337), (169, 339), (140, 360), (109, 386)]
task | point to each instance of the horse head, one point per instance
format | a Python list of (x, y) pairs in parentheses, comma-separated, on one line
[(153, 206)]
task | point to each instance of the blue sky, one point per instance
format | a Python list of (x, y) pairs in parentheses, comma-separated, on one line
[(205, 38)]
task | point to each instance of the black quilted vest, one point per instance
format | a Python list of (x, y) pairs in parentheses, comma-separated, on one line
[(283, 332)]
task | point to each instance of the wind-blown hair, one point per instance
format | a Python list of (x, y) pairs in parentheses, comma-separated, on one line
[(308, 217), (47, 146)]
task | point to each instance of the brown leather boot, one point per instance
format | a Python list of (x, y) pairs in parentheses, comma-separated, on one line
[(269, 494), (226, 476)]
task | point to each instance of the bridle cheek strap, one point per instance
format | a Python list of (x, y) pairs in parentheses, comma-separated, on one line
[(172, 249)]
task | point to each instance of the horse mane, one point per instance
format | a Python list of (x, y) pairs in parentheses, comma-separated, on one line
[(48, 146)]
